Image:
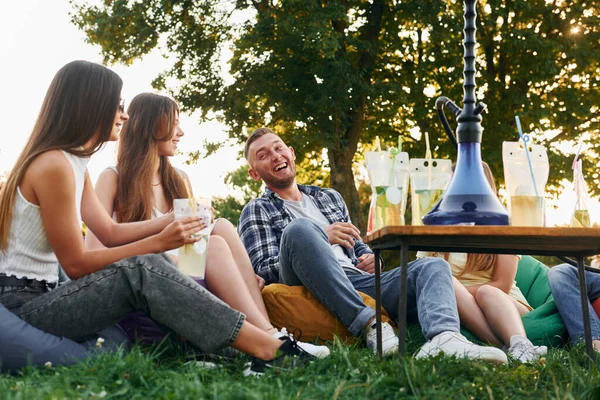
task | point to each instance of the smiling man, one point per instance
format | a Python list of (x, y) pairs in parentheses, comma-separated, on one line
[(302, 235)]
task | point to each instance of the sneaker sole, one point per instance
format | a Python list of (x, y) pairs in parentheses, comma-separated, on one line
[(387, 352), (494, 360), (491, 358), (320, 354), (249, 372)]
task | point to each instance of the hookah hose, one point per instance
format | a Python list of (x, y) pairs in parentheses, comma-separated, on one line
[(439, 108), (442, 102)]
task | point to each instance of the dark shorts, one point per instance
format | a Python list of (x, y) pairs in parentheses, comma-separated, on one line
[(141, 328)]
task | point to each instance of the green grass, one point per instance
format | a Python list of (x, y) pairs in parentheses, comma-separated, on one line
[(350, 373)]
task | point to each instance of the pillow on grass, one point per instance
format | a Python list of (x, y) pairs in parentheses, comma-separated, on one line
[(294, 307), (21, 344), (544, 324)]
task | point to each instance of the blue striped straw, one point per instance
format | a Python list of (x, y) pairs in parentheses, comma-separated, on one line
[(525, 139)]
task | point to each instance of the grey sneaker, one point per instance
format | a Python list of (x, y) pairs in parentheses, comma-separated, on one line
[(389, 340), (455, 344), (521, 349)]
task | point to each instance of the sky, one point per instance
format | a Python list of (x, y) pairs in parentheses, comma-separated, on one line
[(37, 39)]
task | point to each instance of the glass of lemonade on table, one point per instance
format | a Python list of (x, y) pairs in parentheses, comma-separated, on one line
[(388, 176), (429, 179), (191, 259), (526, 170), (526, 209)]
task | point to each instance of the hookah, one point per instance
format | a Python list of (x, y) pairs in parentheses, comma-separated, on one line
[(469, 199)]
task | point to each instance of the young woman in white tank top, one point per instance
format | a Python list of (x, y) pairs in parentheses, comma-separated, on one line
[(41, 204)]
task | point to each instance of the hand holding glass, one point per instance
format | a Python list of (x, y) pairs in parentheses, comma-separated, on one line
[(192, 257)]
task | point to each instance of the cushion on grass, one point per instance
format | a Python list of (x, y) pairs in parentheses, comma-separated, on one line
[(295, 308), (21, 344), (543, 324)]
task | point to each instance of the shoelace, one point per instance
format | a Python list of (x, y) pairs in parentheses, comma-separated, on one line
[(522, 348), (297, 332), (299, 351)]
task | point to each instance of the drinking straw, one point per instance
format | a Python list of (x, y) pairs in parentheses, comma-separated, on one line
[(192, 202), (576, 184), (525, 139), (394, 152), (577, 155), (428, 157), (577, 175), (427, 148), (399, 143), (377, 143)]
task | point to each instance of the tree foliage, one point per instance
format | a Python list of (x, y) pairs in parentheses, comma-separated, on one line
[(330, 74)]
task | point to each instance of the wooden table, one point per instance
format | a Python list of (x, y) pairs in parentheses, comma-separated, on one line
[(570, 242)]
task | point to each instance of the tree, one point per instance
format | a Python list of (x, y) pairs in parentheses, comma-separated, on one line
[(230, 207), (332, 74)]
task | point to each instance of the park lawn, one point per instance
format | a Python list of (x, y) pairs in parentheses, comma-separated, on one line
[(350, 373)]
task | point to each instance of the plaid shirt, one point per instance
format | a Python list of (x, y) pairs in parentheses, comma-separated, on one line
[(263, 220)]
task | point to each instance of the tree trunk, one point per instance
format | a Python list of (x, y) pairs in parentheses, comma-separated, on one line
[(342, 180)]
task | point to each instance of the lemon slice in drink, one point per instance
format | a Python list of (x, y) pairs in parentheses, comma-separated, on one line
[(200, 246), (393, 194)]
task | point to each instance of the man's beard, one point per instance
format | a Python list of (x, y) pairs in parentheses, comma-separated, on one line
[(282, 183)]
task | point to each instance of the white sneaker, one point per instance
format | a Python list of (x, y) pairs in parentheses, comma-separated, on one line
[(455, 344), (389, 340), (523, 350), (317, 351)]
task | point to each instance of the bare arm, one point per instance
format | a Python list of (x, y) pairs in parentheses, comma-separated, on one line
[(107, 232), (504, 274), (52, 186)]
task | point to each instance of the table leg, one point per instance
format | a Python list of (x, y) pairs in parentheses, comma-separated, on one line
[(378, 301), (403, 299), (585, 307)]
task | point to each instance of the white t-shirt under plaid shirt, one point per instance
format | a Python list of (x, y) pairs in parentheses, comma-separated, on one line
[(306, 208), (263, 220)]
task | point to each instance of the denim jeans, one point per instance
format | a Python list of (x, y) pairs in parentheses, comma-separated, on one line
[(306, 258), (564, 283), (148, 283)]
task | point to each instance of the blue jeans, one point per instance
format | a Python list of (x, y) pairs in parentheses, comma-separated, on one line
[(564, 283), (306, 258)]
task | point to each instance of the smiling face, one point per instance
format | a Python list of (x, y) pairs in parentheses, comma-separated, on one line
[(272, 161), (169, 147)]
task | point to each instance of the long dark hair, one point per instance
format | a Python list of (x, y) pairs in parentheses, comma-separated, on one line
[(152, 119), (80, 106)]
